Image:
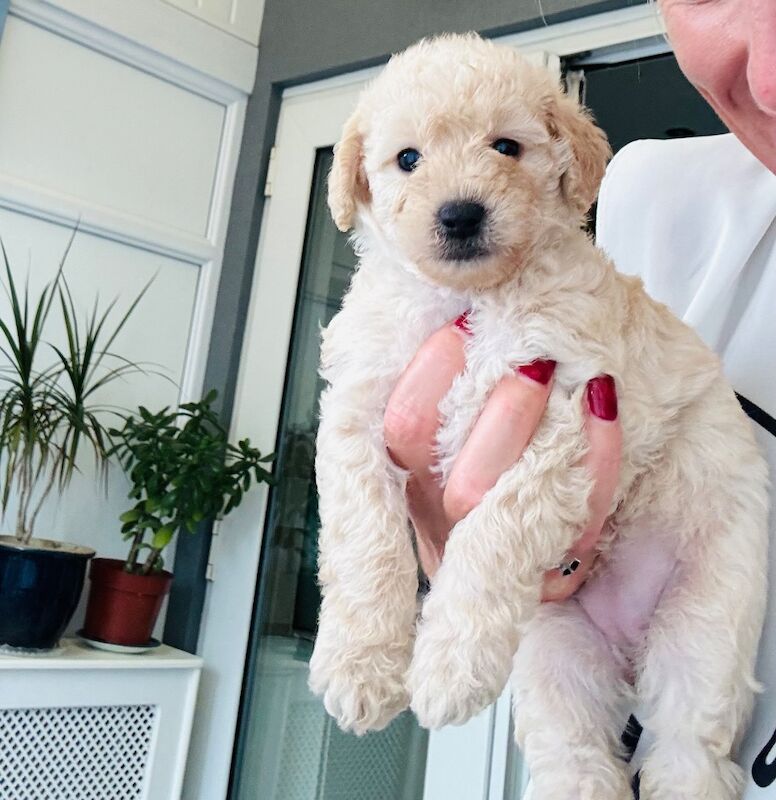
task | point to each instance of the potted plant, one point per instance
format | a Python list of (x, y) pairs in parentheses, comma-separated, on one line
[(183, 472), (48, 418)]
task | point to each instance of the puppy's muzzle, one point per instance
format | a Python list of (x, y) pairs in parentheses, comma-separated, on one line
[(461, 226)]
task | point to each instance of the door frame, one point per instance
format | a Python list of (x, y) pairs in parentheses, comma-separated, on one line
[(311, 117)]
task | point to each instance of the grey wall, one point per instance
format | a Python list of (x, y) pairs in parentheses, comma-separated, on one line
[(303, 40)]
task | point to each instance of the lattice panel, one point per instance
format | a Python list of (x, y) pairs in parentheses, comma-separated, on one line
[(92, 753), (301, 754), (372, 766)]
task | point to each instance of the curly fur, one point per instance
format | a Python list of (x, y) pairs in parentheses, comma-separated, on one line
[(692, 484)]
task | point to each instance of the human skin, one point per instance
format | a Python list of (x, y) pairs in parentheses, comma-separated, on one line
[(727, 49)]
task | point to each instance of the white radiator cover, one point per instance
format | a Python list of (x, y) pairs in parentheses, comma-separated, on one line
[(79, 724)]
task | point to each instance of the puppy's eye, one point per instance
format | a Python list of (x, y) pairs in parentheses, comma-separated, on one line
[(408, 159), (507, 147)]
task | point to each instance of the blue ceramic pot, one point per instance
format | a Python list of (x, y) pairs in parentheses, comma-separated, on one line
[(40, 585)]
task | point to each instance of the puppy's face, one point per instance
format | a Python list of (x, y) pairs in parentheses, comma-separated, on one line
[(465, 156)]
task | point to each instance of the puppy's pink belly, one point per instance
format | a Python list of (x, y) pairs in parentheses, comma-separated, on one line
[(622, 598)]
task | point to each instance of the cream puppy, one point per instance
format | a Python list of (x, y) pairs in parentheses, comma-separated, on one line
[(466, 174)]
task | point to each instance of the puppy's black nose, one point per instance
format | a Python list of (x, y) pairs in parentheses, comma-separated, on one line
[(461, 220)]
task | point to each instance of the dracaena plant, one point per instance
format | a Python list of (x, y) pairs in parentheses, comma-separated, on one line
[(48, 412), (183, 471)]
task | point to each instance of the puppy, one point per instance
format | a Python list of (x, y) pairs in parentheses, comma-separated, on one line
[(466, 174)]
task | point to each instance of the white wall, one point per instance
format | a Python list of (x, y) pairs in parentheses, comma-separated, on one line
[(126, 118)]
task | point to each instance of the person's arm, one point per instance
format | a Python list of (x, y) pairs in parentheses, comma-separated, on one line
[(497, 441)]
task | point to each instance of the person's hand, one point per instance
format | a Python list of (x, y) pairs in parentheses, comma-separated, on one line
[(498, 439)]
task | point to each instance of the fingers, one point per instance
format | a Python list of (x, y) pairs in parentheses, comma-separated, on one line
[(498, 439), (499, 436), (604, 435), (603, 460), (410, 424), (412, 416)]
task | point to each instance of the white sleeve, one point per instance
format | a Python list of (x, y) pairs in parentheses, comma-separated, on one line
[(622, 205), (648, 220)]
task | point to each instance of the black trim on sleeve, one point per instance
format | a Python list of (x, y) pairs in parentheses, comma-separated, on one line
[(630, 739), (630, 736), (762, 418), (763, 768)]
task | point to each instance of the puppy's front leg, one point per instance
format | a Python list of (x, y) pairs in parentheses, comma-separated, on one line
[(367, 568), (491, 577)]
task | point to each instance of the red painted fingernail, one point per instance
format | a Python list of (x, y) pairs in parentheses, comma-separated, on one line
[(539, 370), (602, 397), (462, 323)]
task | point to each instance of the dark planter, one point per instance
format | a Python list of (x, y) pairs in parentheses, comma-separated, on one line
[(40, 585), (122, 607)]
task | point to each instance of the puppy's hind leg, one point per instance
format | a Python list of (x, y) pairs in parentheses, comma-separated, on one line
[(570, 707), (697, 682)]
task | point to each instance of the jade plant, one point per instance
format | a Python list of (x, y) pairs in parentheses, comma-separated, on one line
[(49, 407), (183, 471)]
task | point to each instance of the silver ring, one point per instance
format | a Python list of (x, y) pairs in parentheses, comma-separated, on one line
[(569, 567)]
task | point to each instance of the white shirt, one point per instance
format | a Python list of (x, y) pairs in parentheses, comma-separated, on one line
[(696, 219)]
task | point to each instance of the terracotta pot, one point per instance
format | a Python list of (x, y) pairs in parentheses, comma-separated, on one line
[(122, 607), (40, 585)]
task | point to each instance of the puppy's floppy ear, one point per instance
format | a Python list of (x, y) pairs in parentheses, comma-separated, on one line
[(348, 183), (570, 122)]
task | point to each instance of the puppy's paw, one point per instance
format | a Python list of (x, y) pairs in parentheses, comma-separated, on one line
[(691, 774), (360, 704), (453, 676), (436, 705), (363, 691)]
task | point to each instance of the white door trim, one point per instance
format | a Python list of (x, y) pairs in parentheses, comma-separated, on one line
[(311, 117)]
